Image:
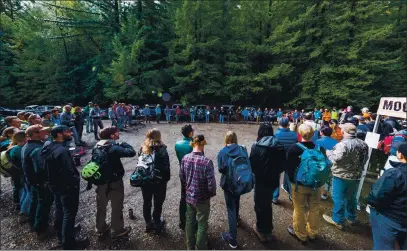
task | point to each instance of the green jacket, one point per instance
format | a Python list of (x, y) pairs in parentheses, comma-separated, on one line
[(86, 110), (182, 148)]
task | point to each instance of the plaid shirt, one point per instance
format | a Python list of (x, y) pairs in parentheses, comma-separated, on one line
[(197, 174)]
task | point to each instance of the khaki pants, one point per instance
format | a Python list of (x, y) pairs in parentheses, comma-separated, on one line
[(115, 193), (306, 223)]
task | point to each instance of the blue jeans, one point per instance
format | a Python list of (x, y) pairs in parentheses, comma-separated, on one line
[(344, 197), (168, 117), (25, 200), (386, 232), (221, 119), (207, 118), (246, 118), (89, 124), (66, 208), (192, 117), (232, 205), (286, 185), (43, 199)]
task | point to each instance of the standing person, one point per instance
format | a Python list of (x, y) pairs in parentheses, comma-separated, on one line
[(259, 115), (153, 145), (192, 113), (315, 126), (147, 114), (64, 181), (317, 115), (112, 115), (326, 116), (182, 148), (245, 114), (267, 157), (89, 123), (79, 122), (225, 159), (177, 114), (388, 203), (197, 173), (336, 131), (20, 116), (167, 112), (230, 115), (34, 119), (215, 114), (207, 114), (67, 119), (334, 114), (46, 119), (287, 138), (96, 115), (265, 115), (302, 114), (279, 114), (348, 159), (6, 137), (327, 143), (303, 227), (222, 115), (129, 113), (296, 116), (121, 115), (113, 190), (158, 114), (55, 117), (239, 114), (273, 116), (349, 113), (41, 196)]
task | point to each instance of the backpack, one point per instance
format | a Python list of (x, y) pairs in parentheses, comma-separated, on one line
[(145, 172), (385, 144), (7, 167), (97, 170), (314, 168), (240, 176), (397, 139)]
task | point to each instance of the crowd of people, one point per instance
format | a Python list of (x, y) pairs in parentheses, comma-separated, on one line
[(42, 171)]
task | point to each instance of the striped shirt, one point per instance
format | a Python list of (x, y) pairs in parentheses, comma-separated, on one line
[(197, 173)]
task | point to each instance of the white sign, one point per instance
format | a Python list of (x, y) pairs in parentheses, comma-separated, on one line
[(394, 107), (372, 139)]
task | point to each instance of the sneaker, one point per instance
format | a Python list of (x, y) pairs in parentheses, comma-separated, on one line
[(282, 188), (124, 233), (262, 237), (324, 196), (291, 231), (275, 201), (226, 237), (332, 222), (159, 227), (103, 234), (150, 227)]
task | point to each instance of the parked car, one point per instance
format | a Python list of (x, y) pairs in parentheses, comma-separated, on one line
[(7, 112), (32, 108)]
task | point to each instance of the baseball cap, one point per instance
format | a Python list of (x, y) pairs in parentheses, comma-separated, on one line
[(349, 128), (59, 129), (284, 122), (402, 148), (36, 129)]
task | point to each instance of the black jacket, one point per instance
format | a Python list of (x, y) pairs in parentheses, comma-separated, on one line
[(27, 161), (114, 153), (162, 162), (79, 118), (393, 123), (60, 169), (389, 193), (267, 158)]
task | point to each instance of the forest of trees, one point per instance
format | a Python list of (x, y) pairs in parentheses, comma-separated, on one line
[(257, 52)]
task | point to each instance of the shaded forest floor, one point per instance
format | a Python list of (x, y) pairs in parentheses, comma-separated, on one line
[(16, 236)]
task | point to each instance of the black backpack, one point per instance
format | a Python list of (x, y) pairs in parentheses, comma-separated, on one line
[(97, 171)]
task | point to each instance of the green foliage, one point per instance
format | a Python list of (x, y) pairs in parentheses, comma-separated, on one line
[(303, 54)]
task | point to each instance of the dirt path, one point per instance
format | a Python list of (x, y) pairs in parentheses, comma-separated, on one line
[(15, 236)]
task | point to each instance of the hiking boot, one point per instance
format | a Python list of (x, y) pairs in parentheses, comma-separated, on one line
[(262, 237), (150, 227), (124, 233), (291, 231), (22, 218), (226, 237), (332, 222), (103, 234), (159, 227)]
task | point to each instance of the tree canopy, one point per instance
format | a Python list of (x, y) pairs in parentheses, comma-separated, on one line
[(268, 52)]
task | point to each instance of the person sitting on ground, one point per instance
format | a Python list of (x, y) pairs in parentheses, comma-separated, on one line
[(388, 203), (154, 145), (197, 173), (267, 158), (348, 159), (287, 138), (303, 227), (182, 148)]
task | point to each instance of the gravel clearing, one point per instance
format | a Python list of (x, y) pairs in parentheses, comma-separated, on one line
[(16, 236)]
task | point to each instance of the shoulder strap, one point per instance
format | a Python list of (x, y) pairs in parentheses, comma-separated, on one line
[(301, 146)]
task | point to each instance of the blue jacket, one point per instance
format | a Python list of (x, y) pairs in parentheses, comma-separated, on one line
[(233, 150), (296, 115), (317, 115), (245, 112), (147, 111), (157, 111), (389, 193), (327, 143), (56, 120), (279, 114), (286, 137)]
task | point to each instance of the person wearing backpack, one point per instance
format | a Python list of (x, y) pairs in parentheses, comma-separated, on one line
[(234, 164), (306, 194), (107, 154), (154, 147), (41, 196), (182, 148), (63, 180), (267, 159), (348, 159), (388, 203), (197, 174)]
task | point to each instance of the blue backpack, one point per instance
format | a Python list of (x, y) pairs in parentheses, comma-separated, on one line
[(240, 175), (400, 137), (314, 168)]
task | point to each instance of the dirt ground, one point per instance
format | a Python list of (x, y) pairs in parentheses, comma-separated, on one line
[(16, 236)]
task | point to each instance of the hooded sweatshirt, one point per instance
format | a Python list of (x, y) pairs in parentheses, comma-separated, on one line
[(267, 158), (223, 155), (60, 169), (32, 177)]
